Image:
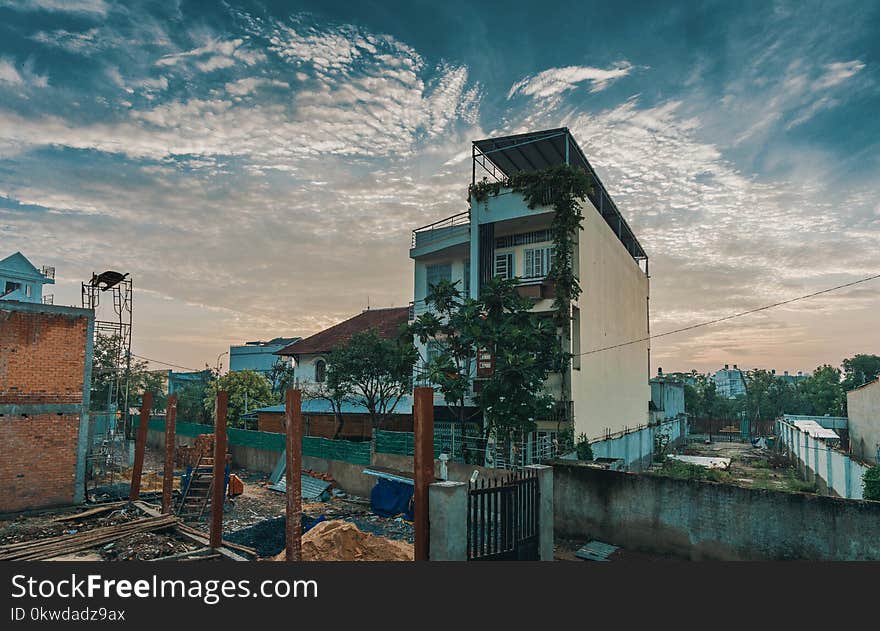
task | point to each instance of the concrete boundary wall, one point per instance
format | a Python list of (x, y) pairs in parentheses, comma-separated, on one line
[(636, 446), (835, 472), (710, 521)]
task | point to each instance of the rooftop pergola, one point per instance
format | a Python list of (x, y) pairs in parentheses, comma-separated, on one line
[(504, 156)]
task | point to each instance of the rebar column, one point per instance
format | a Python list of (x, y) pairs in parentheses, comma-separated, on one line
[(139, 446), (293, 475), (168, 473), (423, 466)]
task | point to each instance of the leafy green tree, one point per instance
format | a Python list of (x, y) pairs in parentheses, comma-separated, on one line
[(823, 392), (281, 376), (374, 371), (110, 378), (859, 370), (871, 484), (191, 401), (248, 390), (524, 348)]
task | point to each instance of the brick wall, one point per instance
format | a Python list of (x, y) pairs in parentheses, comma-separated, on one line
[(44, 353), (42, 356)]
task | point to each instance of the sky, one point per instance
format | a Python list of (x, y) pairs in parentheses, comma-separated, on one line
[(258, 167)]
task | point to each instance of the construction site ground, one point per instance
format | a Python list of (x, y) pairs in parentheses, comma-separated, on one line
[(245, 513)]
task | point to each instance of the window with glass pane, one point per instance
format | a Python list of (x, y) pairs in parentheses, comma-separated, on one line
[(439, 272), (537, 261), (466, 278), (504, 265)]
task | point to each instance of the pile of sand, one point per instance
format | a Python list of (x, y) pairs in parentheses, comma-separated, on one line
[(337, 540)]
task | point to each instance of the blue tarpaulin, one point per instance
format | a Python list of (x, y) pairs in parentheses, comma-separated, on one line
[(390, 498)]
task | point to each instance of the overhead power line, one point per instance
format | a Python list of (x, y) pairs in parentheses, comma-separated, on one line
[(732, 316), (156, 361)]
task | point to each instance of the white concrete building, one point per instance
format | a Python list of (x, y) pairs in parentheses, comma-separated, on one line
[(502, 236), (863, 410), (729, 382), (20, 280)]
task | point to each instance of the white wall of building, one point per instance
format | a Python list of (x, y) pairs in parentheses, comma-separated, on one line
[(610, 390), (863, 410)]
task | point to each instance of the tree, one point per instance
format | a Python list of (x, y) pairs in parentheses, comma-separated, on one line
[(332, 391), (110, 377), (374, 371), (248, 390), (191, 400), (859, 370), (281, 376), (523, 345), (823, 392)]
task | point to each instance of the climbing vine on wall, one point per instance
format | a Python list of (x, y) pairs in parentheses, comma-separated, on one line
[(560, 187)]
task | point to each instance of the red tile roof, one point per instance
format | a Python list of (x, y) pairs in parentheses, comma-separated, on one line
[(386, 321)]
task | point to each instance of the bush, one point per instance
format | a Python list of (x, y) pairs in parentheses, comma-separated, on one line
[(584, 451), (871, 484)]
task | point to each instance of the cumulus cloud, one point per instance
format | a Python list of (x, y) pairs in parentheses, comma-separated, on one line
[(96, 7), (555, 81), (21, 75)]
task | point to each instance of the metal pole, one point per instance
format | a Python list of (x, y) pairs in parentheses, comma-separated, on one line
[(140, 445), (423, 466), (168, 474), (293, 475), (222, 401)]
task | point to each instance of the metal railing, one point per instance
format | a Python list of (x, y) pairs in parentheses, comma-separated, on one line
[(48, 271), (432, 230)]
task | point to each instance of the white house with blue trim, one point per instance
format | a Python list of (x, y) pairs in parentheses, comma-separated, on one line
[(21, 280)]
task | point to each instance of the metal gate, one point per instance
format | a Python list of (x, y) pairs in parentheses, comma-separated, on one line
[(502, 518)]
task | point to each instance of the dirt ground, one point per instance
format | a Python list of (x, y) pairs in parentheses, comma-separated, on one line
[(750, 466)]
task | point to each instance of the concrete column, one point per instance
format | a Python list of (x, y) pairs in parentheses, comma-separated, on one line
[(545, 511), (447, 502)]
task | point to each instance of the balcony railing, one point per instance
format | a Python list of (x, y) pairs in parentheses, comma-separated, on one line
[(48, 271), (439, 229)]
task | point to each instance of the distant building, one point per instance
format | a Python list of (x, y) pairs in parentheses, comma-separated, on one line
[(863, 410), (258, 356), (687, 378), (793, 379), (310, 355), (20, 280), (729, 382), (667, 398), (177, 381)]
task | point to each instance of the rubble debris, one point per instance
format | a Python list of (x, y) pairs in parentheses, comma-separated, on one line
[(236, 486), (144, 546), (267, 537), (313, 489), (596, 551), (49, 547), (189, 455), (103, 508), (343, 541), (703, 461)]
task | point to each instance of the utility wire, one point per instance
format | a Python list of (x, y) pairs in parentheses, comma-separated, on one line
[(732, 316), (156, 361)]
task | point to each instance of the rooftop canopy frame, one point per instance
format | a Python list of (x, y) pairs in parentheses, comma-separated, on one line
[(504, 156)]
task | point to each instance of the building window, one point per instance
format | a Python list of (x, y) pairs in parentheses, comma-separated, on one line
[(27, 291), (320, 371), (504, 265), (537, 261), (466, 278), (436, 273), (10, 287)]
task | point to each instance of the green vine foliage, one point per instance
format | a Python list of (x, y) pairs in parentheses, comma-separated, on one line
[(561, 187)]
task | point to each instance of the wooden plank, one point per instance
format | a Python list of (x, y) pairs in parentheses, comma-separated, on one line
[(103, 508)]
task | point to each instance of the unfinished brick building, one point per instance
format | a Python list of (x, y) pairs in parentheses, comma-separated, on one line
[(45, 375)]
